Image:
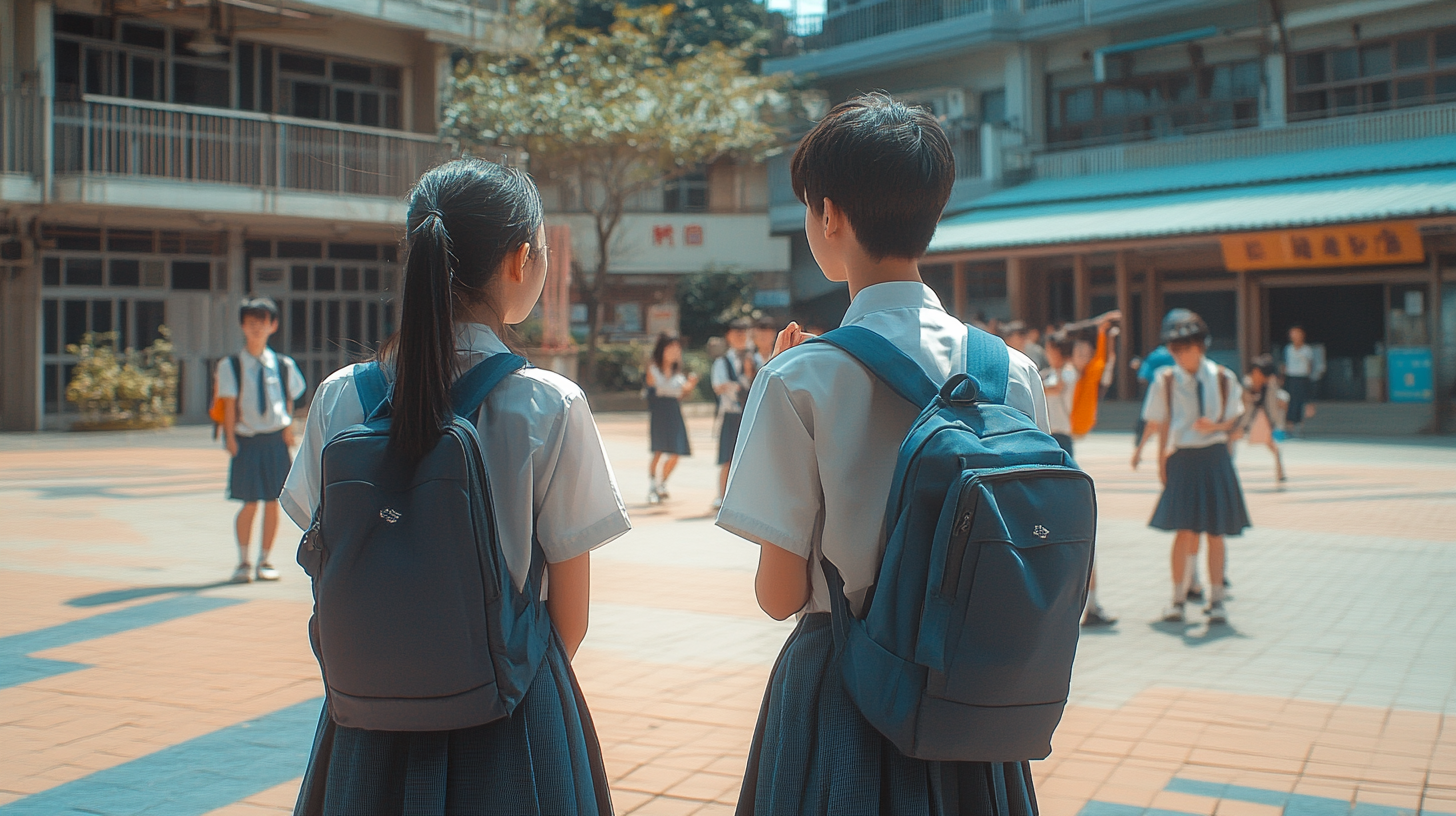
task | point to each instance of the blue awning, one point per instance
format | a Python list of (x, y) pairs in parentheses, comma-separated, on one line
[(1399, 180)]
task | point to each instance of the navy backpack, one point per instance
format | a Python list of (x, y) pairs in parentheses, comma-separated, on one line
[(417, 624), (964, 648)]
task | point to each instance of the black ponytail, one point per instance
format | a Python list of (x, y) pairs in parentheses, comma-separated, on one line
[(465, 218)]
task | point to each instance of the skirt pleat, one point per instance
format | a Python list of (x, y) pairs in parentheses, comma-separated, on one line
[(259, 470), (543, 759), (814, 753), (1202, 494), (669, 433)]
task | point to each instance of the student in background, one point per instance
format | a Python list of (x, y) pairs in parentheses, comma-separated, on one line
[(812, 477), (765, 331), (258, 428), (667, 385), (1192, 407), (732, 375), (476, 262), (1301, 370), (1265, 406)]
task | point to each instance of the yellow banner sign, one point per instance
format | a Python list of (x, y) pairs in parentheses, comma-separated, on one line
[(1394, 242)]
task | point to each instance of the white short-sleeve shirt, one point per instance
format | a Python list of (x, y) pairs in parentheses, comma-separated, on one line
[(1188, 406), (1059, 405), (726, 369), (1299, 361), (821, 436), (547, 466), (244, 389), (668, 386)]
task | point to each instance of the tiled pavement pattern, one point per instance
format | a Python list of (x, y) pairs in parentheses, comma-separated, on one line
[(132, 682)]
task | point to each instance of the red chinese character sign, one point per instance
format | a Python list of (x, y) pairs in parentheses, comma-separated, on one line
[(693, 235), (662, 235), (1395, 242)]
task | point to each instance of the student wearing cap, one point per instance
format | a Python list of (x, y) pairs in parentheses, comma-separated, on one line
[(1192, 406), (731, 376), (257, 426)]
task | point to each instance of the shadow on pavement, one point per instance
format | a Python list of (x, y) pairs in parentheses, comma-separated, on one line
[(122, 595)]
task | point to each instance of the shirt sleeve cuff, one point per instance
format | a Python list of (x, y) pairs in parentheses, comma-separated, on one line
[(755, 530), (589, 538), (300, 516)]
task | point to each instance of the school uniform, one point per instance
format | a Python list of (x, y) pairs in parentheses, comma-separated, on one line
[(1299, 371), (1059, 405), (812, 474), (551, 486), (1202, 491), (730, 369), (263, 411), (667, 432)]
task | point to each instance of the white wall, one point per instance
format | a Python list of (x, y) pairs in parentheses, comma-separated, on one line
[(737, 242)]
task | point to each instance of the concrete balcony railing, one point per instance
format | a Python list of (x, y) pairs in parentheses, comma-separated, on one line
[(1348, 131), (103, 136), (865, 20), (106, 138)]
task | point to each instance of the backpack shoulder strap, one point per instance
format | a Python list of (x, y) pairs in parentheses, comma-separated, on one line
[(286, 366), (470, 390), (988, 360), (1168, 392), (237, 361), (892, 366), (372, 387)]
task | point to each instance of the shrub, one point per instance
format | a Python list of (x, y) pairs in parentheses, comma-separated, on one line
[(620, 366), (123, 389)]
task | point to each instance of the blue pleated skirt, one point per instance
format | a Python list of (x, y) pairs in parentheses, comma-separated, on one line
[(1202, 494), (814, 753), (543, 760), (668, 432), (259, 470)]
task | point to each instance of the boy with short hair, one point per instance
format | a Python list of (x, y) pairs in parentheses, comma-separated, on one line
[(812, 474), (257, 419), (732, 374)]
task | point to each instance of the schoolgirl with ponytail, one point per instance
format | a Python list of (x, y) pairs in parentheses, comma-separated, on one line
[(476, 262)]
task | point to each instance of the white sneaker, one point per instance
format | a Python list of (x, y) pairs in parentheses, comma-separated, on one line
[(243, 574), (662, 491), (266, 572), (1174, 614), (653, 497), (1216, 613)]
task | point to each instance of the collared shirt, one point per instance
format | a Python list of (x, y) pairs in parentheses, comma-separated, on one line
[(1194, 396), (1059, 405), (547, 466), (244, 389), (668, 386), (821, 436), (726, 369), (1299, 361)]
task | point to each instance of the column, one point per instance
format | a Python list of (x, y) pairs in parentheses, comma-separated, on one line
[(1244, 319), (1026, 91), (1152, 316), (958, 289), (1124, 304), (20, 336), (1016, 287), (1273, 102), (1439, 400), (1081, 287)]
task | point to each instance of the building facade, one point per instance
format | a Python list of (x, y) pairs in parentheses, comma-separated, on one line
[(160, 161), (1264, 162)]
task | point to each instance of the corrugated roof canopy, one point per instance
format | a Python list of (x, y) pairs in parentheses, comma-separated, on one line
[(1191, 200)]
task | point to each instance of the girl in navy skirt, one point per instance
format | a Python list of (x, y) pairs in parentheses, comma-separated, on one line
[(667, 384), (476, 263), (1191, 407), (811, 478)]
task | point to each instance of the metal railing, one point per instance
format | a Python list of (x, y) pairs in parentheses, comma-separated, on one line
[(124, 138), (21, 129), (1373, 128), (820, 31)]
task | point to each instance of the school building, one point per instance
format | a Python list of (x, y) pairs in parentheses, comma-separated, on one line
[(1263, 162)]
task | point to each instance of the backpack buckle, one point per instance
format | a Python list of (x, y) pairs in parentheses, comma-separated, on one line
[(960, 389)]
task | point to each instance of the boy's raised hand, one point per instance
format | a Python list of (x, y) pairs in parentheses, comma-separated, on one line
[(791, 336)]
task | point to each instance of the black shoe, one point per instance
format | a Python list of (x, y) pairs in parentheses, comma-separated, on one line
[(1098, 617), (1196, 594)]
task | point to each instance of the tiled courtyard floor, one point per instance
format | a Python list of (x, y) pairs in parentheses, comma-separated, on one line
[(132, 681)]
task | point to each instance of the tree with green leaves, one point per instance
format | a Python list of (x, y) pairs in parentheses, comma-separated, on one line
[(606, 111)]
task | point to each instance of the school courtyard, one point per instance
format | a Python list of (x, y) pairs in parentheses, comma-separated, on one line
[(133, 682)]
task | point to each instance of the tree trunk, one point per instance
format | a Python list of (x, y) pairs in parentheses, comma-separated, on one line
[(597, 295)]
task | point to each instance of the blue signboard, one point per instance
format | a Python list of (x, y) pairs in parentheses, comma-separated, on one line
[(1409, 370)]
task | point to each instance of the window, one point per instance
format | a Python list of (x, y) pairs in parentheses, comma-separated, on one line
[(1403, 71), (686, 194), (344, 91), (1205, 98)]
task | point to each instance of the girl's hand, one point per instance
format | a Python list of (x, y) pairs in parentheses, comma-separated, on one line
[(1137, 457), (791, 336), (1205, 425), (1163, 471)]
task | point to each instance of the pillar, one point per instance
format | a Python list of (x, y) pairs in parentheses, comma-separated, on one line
[(1081, 288), (1016, 288), (1152, 316), (1025, 76), (958, 289), (1124, 304), (1244, 320), (1441, 397), (20, 336)]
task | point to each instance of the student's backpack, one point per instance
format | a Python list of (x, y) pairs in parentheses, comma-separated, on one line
[(417, 624), (964, 648), (218, 413)]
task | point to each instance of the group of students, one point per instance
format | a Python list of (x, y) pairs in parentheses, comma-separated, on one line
[(808, 447)]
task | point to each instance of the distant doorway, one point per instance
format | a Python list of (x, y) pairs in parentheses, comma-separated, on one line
[(1349, 321)]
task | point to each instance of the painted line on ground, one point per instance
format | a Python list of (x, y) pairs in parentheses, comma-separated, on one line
[(193, 777), (17, 667)]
